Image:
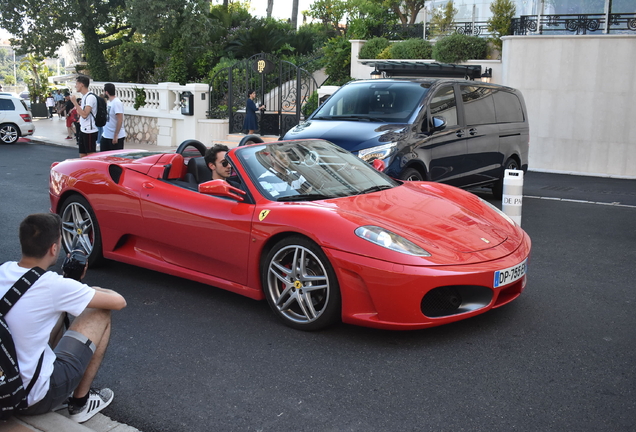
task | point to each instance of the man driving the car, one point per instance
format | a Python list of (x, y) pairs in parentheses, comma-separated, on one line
[(215, 158)]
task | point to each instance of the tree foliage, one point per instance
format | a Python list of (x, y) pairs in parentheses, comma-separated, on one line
[(406, 10), (500, 24), (330, 13), (442, 19), (42, 27)]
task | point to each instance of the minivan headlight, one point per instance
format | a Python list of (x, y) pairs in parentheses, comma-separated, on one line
[(390, 240), (379, 152)]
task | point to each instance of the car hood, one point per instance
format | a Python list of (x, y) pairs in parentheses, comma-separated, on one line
[(445, 221), (350, 135)]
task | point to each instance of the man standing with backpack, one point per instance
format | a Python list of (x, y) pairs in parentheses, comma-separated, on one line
[(51, 373), (92, 114)]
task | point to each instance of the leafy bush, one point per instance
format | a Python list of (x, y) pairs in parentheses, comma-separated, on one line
[(411, 49), (338, 60), (373, 47), (458, 48), (311, 105), (385, 54)]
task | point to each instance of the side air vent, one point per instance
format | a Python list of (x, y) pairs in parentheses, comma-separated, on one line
[(115, 172)]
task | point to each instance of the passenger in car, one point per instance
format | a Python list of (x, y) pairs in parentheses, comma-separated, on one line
[(215, 158)]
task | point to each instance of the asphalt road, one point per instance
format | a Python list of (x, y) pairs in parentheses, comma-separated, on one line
[(188, 357)]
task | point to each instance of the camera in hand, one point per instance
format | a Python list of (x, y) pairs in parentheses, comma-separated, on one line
[(74, 264)]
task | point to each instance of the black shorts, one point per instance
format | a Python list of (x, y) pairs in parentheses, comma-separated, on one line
[(107, 144), (73, 354), (88, 142)]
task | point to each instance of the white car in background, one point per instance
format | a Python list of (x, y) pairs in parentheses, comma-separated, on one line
[(15, 119)]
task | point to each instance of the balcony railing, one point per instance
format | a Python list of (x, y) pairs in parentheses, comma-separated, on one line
[(579, 24), (400, 32)]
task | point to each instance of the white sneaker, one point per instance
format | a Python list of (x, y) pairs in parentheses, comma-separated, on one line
[(97, 401)]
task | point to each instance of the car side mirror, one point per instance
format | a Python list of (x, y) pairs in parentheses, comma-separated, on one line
[(439, 123), (221, 188)]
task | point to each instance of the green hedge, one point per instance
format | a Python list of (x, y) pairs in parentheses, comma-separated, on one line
[(411, 49), (458, 48), (373, 47)]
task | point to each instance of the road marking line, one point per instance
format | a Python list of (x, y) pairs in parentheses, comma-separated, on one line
[(613, 204)]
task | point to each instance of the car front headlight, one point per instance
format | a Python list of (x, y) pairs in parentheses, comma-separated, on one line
[(378, 152), (389, 240), (502, 214)]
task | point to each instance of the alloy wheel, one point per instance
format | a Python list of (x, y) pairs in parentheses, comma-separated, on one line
[(298, 284)]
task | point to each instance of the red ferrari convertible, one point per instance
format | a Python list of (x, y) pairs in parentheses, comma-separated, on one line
[(304, 224)]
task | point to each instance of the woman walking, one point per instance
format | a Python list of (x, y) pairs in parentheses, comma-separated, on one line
[(250, 122)]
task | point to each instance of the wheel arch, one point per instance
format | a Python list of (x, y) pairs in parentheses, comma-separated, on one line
[(269, 244), (418, 165), (62, 199)]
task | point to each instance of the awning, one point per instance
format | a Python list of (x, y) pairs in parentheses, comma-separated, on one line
[(396, 68)]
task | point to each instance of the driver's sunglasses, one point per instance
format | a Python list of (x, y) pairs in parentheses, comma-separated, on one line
[(225, 163)]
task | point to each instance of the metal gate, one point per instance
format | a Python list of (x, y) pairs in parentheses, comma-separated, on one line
[(280, 85)]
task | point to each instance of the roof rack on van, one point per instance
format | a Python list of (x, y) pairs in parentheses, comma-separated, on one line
[(396, 68)]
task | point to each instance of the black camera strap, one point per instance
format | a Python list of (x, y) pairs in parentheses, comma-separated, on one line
[(14, 294)]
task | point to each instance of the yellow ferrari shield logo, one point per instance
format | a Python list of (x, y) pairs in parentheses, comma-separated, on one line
[(298, 284), (262, 215)]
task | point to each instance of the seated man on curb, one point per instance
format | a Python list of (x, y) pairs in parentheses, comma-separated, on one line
[(215, 158), (72, 364)]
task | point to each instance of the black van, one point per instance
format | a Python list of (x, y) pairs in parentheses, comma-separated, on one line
[(460, 132)]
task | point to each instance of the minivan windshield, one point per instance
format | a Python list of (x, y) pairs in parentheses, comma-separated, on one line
[(374, 101)]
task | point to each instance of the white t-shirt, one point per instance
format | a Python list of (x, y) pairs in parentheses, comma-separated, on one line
[(87, 125), (33, 317), (114, 107)]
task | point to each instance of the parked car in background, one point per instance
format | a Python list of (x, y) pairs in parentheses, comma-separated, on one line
[(463, 133), (15, 119)]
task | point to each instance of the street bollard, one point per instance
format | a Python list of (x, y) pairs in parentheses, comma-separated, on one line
[(512, 194)]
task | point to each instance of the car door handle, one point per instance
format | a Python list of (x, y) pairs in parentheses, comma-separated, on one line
[(459, 134), (472, 131), (148, 185)]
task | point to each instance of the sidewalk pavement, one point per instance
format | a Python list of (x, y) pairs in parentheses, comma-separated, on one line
[(59, 422), (53, 132)]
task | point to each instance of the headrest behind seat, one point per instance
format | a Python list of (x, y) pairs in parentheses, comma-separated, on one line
[(199, 170)]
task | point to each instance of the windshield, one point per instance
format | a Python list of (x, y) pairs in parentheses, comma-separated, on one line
[(309, 170), (385, 102)]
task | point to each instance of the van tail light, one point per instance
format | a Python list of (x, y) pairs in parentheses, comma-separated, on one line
[(26, 117)]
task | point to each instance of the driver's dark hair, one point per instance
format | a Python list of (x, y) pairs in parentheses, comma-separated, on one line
[(210, 154), (38, 232)]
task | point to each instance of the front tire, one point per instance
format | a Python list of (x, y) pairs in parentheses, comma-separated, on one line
[(9, 133), (411, 174), (300, 284), (497, 189), (80, 229)]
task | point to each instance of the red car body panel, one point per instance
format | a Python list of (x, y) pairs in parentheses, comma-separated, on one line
[(148, 222)]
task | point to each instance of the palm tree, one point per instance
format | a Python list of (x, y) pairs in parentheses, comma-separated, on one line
[(270, 7), (294, 16)]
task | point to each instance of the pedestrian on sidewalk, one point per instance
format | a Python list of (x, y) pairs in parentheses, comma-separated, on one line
[(251, 122), (86, 111), (71, 364), (70, 121), (50, 105), (114, 133)]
